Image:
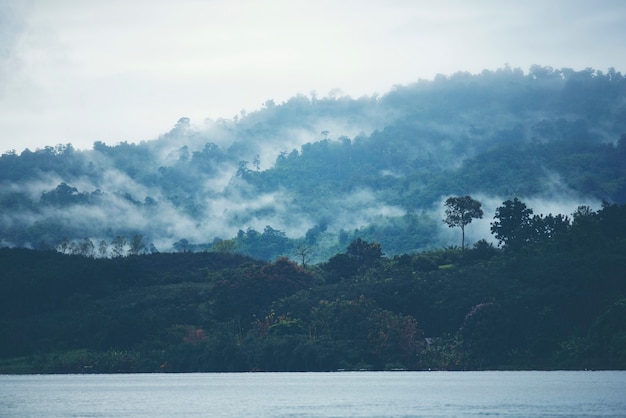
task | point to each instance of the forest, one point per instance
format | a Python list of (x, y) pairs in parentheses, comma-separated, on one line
[(319, 172), (468, 222), (551, 295)]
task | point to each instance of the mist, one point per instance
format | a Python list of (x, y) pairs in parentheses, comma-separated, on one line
[(330, 169)]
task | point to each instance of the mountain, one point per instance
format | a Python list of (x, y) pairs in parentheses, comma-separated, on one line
[(306, 177)]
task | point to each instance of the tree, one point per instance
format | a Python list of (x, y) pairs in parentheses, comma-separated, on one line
[(365, 253), (512, 226), (304, 252), (550, 226), (359, 256), (63, 245), (103, 248), (136, 244), (460, 212), (87, 248), (117, 246), (182, 246), (225, 246)]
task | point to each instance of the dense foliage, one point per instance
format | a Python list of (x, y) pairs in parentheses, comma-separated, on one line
[(317, 173), (554, 296)]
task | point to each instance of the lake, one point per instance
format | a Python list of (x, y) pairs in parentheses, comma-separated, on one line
[(344, 394)]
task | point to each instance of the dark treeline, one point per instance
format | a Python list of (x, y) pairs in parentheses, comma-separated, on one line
[(551, 296)]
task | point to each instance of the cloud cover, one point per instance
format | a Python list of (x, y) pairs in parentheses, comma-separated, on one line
[(78, 72)]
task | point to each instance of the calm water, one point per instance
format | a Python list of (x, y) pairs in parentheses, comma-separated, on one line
[(360, 394)]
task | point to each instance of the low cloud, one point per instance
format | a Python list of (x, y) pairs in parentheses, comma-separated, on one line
[(357, 209), (555, 198)]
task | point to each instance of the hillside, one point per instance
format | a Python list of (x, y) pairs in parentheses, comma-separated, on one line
[(317, 173), (553, 297)]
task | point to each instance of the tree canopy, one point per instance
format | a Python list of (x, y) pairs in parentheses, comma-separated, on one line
[(555, 302), (460, 211)]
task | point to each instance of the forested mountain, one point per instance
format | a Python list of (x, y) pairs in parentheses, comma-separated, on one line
[(306, 177), (553, 297)]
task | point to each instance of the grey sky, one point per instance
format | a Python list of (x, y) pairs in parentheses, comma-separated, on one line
[(125, 70)]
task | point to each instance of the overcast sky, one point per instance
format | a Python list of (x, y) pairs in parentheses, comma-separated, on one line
[(76, 71)]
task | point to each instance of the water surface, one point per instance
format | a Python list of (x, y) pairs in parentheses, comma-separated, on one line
[(351, 394)]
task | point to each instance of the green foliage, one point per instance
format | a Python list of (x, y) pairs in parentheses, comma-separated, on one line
[(268, 245), (460, 211), (360, 256), (512, 225), (557, 302)]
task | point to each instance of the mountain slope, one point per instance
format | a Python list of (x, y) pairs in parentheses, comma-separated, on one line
[(317, 173)]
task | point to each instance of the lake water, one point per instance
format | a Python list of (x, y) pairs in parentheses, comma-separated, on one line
[(350, 394)]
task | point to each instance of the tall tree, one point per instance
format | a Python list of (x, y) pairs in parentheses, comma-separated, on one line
[(460, 212), (136, 244), (304, 252), (103, 248), (512, 226), (117, 246), (87, 248)]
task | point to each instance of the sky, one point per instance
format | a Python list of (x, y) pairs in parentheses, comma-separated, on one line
[(74, 71)]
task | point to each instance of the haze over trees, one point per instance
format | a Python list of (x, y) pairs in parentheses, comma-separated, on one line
[(318, 173)]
